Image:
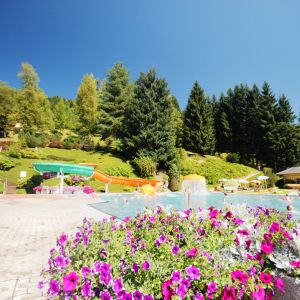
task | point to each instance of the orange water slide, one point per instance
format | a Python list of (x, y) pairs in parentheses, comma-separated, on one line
[(123, 180)]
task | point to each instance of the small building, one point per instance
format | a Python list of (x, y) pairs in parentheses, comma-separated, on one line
[(291, 177)]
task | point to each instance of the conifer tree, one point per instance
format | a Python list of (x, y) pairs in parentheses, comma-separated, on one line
[(177, 121), (34, 111), (87, 102), (148, 126), (115, 95), (284, 112), (198, 130)]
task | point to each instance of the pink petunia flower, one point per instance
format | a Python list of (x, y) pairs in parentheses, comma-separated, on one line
[(259, 294), (229, 293), (266, 278), (295, 264), (105, 295), (175, 249), (176, 276), (213, 213), (240, 276), (70, 282), (279, 284), (193, 272), (191, 253), (267, 247), (86, 290)]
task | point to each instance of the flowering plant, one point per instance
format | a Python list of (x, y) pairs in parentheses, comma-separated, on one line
[(37, 188), (88, 189), (190, 254)]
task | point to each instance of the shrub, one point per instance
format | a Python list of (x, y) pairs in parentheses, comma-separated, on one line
[(34, 140), (123, 171), (190, 254), (56, 144), (88, 144), (6, 144), (27, 153), (33, 181), (173, 174), (145, 166), (233, 157), (6, 164), (273, 178), (14, 151), (223, 156), (71, 141)]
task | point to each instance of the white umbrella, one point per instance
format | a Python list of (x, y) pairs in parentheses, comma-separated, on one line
[(262, 177), (243, 181), (223, 180)]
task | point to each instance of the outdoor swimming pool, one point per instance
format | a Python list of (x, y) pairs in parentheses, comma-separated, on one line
[(123, 205)]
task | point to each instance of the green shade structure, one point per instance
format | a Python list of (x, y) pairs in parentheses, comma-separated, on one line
[(44, 167)]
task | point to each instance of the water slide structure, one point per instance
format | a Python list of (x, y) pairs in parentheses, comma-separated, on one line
[(88, 169)]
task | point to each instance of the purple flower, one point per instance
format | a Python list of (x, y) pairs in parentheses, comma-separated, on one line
[(240, 276), (199, 296), (105, 278), (135, 267), (193, 272), (117, 285), (212, 287), (162, 238), (70, 282), (175, 249), (152, 219), (259, 294), (59, 261), (181, 291), (86, 290), (176, 276), (137, 295), (62, 239), (186, 282), (191, 253), (40, 285), (105, 267), (53, 287), (148, 297), (105, 295), (85, 270), (146, 265), (229, 293), (238, 221), (157, 243), (275, 227), (126, 296)]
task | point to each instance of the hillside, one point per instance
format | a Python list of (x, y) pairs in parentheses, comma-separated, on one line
[(213, 168)]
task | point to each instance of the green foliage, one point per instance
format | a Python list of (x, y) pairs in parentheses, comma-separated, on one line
[(115, 95), (33, 181), (198, 129), (145, 166), (6, 164), (14, 151), (273, 178), (87, 102), (64, 115), (213, 169), (233, 157), (34, 112), (177, 121), (8, 97), (173, 174), (148, 127), (30, 154), (33, 140), (120, 171)]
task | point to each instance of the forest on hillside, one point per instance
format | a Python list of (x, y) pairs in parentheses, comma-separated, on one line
[(142, 121)]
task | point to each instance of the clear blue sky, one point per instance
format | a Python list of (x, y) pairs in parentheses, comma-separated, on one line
[(219, 43)]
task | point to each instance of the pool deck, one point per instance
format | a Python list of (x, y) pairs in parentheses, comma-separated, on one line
[(29, 226)]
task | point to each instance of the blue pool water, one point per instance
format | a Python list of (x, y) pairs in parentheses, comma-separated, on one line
[(123, 205)]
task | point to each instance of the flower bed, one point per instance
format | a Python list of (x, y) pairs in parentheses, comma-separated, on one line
[(190, 254)]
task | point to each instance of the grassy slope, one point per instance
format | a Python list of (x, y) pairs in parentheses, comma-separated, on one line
[(104, 161), (212, 168)]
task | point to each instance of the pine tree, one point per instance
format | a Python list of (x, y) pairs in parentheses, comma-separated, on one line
[(284, 112), (115, 95), (266, 124), (177, 121), (198, 130), (148, 126), (87, 102), (34, 111)]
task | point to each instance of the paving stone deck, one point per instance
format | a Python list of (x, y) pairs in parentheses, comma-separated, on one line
[(29, 226)]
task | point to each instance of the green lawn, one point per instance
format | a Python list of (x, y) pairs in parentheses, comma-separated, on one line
[(106, 163)]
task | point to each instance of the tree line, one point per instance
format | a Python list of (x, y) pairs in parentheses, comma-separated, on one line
[(142, 119)]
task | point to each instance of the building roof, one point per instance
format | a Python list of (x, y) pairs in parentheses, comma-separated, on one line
[(290, 171)]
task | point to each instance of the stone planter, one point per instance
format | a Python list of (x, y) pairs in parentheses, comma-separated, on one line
[(292, 290)]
